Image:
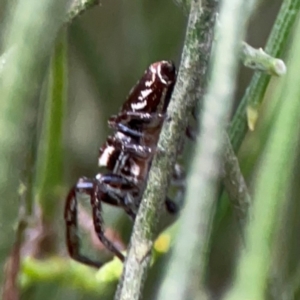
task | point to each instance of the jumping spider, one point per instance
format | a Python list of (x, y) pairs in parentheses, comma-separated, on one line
[(127, 155)]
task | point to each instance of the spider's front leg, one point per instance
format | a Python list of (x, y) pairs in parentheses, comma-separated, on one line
[(96, 190), (70, 216), (138, 150), (177, 182), (126, 120)]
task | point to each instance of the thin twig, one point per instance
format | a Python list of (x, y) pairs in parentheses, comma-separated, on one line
[(247, 113), (255, 93), (189, 85), (22, 67), (31, 40), (233, 179), (186, 274), (10, 289), (259, 60), (272, 188), (235, 184)]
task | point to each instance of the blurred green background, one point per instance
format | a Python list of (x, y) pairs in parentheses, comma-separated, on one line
[(109, 48)]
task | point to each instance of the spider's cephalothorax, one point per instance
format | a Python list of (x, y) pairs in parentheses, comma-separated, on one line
[(126, 155)]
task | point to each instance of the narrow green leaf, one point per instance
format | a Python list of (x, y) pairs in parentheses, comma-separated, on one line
[(50, 160), (271, 186)]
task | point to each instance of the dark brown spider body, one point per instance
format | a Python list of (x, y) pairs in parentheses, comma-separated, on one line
[(129, 152), (126, 155)]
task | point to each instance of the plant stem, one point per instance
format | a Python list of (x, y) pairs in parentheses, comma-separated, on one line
[(31, 39), (255, 92), (186, 272), (235, 184), (272, 186), (259, 60), (191, 79), (50, 159)]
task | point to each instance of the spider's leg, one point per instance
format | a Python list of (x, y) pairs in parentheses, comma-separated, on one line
[(178, 181), (97, 190), (72, 238), (125, 119), (136, 124), (171, 206), (109, 200), (93, 187), (117, 190), (132, 148), (191, 133), (126, 129)]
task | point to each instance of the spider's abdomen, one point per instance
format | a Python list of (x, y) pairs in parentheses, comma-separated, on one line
[(152, 93)]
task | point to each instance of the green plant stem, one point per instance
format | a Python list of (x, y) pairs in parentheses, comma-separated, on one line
[(255, 92), (70, 274), (10, 289), (191, 79), (186, 273), (22, 77), (3, 60), (271, 186), (62, 272), (50, 159), (233, 179), (235, 184), (259, 60)]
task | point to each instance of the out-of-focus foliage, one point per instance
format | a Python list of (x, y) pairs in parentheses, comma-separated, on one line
[(109, 47)]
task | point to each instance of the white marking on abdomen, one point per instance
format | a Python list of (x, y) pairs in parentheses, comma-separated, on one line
[(146, 93), (160, 76), (139, 105)]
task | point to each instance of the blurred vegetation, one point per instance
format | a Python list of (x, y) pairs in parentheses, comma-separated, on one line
[(58, 88)]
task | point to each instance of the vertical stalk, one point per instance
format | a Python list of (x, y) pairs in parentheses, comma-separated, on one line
[(187, 267), (254, 94), (31, 33), (190, 82), (271, 186), (50, 160)]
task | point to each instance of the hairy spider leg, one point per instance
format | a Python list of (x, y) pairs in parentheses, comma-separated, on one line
[(114, 190), (72, 238), (191, 133), (148, 121), (142, 152), (125, 120), (136, 149), (129, 190), (171, 206), (119, 192), (100, 189)]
